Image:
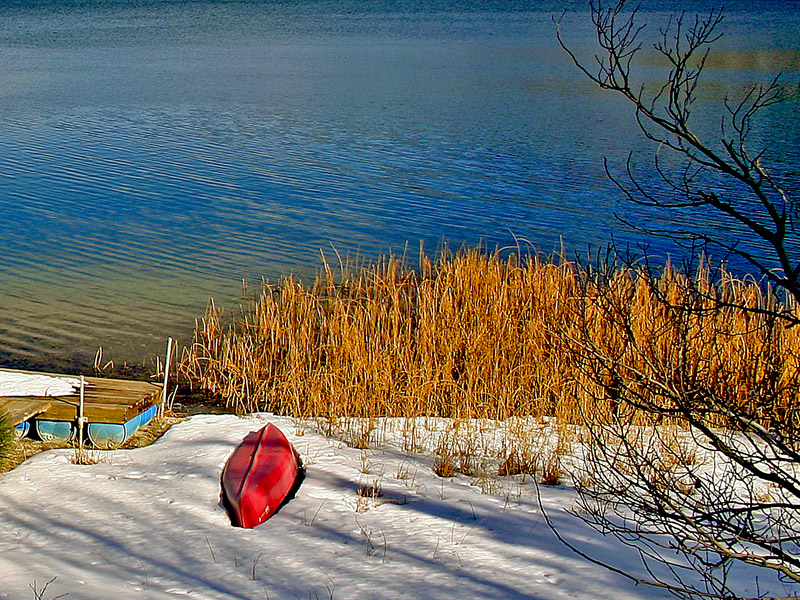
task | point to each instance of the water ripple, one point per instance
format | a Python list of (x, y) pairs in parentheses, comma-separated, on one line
[(149, 166)]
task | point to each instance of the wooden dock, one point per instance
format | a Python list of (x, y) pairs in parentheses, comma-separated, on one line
[(105, 401), (21, 408)]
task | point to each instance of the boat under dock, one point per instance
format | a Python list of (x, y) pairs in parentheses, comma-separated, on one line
[(113, 410)]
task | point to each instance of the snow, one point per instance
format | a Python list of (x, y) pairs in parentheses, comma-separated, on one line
[(148, 523), (29, 384)]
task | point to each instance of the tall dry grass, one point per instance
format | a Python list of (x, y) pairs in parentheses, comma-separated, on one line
[(476, 335)]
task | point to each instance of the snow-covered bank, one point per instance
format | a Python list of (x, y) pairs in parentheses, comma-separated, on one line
[(14, 383), (148, 523)]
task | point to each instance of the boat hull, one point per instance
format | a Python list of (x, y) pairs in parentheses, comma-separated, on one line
[(259, 476), (22, 429), (108, 436), (53, 431)]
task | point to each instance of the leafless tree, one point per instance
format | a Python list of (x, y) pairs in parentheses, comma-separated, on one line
[(699, 474), (693, 464), (723, 176)]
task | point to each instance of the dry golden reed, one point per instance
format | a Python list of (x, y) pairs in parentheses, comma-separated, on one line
[(484, 335)]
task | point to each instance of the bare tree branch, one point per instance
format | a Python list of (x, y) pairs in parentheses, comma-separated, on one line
[(759, 205)]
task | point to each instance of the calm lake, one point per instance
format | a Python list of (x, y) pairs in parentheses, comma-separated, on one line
[(155, 153)]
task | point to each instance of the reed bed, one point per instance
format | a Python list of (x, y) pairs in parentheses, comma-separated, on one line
[(479, 335)]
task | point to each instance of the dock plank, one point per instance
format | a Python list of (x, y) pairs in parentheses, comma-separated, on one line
[(95, 413), (21, 408), (94, 394)]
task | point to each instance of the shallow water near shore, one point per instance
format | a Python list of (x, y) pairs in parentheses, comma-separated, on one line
[(157, 154)]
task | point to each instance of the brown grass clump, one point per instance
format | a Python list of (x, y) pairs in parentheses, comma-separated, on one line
[(22, 449), (551, 472), (517, 462), (479, 335)]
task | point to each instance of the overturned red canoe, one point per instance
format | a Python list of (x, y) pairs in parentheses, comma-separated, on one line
[(259, 476)]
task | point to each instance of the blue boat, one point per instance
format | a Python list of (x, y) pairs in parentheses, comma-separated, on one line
[(132, 404), (22, 429), (53, 431), (112, 435), (148, 415)]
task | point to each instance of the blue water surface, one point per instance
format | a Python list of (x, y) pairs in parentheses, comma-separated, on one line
[(156, 153)]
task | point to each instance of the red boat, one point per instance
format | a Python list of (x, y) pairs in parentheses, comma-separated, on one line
[(259, 476)]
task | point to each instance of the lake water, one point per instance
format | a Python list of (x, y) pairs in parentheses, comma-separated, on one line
[(154, 154)]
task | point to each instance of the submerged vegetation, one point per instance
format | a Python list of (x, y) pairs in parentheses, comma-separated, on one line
[(484, 335)]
